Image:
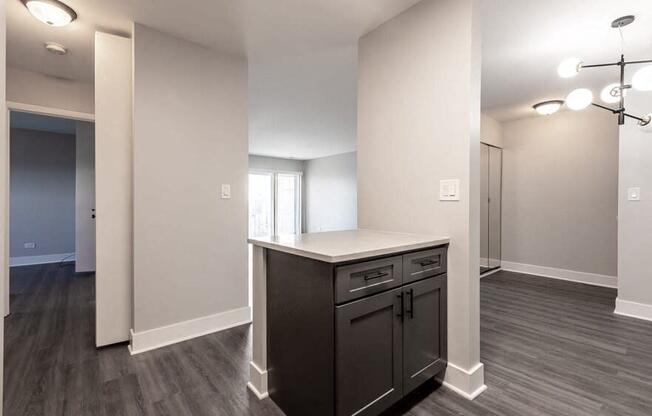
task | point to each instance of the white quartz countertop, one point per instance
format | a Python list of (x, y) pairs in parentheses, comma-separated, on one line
[(338, 246)]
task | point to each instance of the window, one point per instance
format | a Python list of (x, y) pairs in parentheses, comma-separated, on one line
[(261, 204), (274, 204)]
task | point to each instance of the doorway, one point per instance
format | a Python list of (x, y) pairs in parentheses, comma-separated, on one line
[(491, 177), (51, 193)]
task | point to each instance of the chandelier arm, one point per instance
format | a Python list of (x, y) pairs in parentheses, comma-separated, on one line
[(600, 65), (642, 120), (614, 111), (646, 61)]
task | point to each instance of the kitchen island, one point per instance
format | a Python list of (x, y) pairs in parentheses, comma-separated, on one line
[(347, 322)]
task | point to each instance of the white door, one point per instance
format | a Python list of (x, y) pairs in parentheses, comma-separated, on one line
[(85, 198)]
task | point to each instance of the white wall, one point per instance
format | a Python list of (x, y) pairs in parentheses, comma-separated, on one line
[(491, 131), (190, 136), (635, 217), (331, 193), (275, 164), (418, 123), (560, 183), (42, 196), (85, 197), (113, 188), (27, 87)]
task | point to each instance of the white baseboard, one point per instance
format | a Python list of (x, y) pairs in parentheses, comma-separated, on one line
[(562, 274), (633, 309), (182, 331), (42, 259), (490, 272), (258, 381), (467, 383)]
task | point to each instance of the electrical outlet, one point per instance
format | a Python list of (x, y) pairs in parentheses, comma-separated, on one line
[(29, 245)]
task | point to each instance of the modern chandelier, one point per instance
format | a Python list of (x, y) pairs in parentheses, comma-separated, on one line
[(613, 93)]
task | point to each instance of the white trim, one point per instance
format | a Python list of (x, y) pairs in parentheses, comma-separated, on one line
[(257, 381), (467, 383), (182, 331), (490, 272), (633, 309), (562, 274), (49, 111), (42, 259)]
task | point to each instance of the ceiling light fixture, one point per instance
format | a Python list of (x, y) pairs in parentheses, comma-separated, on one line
[(56, 48), (579, 99), (611, 93), (614, 93), (50, 12), (546, 108)]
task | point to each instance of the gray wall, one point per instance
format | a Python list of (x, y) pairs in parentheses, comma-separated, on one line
[(491, 131), (331, 193), (42, 193), (275, 164), (28, 87), (190, 136), (560, 184), (635, 217), (419, 123)]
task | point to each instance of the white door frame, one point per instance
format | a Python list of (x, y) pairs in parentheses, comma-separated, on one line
[(44, 111)]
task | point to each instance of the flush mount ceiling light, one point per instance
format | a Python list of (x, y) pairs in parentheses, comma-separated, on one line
[(613, 93), (50, 12), (56, 48), (546, 108)]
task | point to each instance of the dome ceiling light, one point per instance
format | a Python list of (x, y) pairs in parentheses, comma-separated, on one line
[(51, 12), (546, 108), (56, 48), (614, 93)]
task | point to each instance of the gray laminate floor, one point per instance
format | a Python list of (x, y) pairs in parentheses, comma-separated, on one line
[(549, 348)]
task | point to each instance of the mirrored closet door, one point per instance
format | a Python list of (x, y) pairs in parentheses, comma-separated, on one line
[(491, 173)]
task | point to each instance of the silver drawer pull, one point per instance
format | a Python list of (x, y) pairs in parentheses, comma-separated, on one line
[(375, 276), (424, 263)]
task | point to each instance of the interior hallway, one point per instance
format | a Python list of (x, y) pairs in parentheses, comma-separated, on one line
[(550, 348)]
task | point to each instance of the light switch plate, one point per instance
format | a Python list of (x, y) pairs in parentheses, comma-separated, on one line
[(449, 190), (226, 191), (634, 194)]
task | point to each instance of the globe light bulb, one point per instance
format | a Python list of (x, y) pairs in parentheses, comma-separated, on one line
[(611, 93), (642, 79), (570, 67), (579, 99)]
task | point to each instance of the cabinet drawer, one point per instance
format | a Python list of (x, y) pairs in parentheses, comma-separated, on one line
[(424, 264), (362, 279)]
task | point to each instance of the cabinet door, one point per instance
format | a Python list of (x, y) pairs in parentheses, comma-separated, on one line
[(369, 354), (424, 331)]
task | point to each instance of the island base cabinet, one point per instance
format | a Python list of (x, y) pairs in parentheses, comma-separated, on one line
[(359, 353), (368, 354), (424, 344)]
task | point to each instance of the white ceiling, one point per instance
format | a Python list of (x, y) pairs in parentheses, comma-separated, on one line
[(302, 55), (524, 41)]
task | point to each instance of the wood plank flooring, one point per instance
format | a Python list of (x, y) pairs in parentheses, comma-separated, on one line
[(549, 348)]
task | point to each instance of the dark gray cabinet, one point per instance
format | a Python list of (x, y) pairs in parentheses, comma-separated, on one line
[(424, 346), (369, 352), (354, 338)]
